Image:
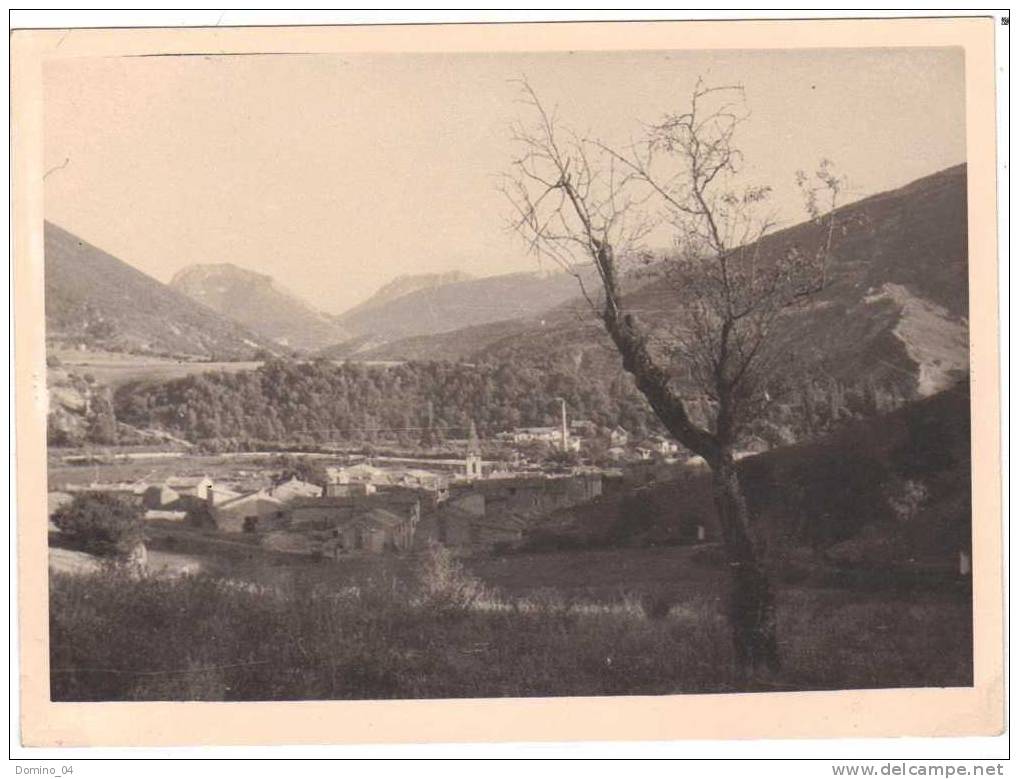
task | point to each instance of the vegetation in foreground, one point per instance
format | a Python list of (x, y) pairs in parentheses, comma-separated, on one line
[(438, 632)]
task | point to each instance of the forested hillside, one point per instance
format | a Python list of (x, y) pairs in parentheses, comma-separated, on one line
[(352, 402), (321, 400)]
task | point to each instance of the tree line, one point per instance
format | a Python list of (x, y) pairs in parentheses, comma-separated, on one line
[(414, 402)]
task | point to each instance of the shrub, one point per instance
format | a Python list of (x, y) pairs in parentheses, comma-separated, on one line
[(102, 523), (443, 582)]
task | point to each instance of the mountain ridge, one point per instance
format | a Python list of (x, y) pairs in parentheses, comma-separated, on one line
[(259, 302), (475, 302), (94, 299), (895, 312)]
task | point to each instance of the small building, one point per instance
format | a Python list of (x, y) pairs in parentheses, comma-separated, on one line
[(295, 488), (526, 435), (194, 492), (354, 489), (192, 486), (360, 473), (332, 511), (662, 445), (251, 513), (165, 515), (618, 436), (333, 527), (375, 530), (494, 511), (159, 497), (420, 479)]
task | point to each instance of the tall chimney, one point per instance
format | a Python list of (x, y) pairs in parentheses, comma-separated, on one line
[(566, 432)]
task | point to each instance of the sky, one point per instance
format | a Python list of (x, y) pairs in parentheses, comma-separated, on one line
[(336, 173)]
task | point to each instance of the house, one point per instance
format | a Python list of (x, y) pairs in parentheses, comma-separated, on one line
[(375, 530), (333, 526), (417, 478), (499, 510), (195, 492), (349, 489), (159, 497), (331, 511), (165, 515), (526, 435), (360, 473), (662, 445), (254, 512), (294, 488), (583, 427), (535, 497), (618, 436), (372, 531), (192, 486)]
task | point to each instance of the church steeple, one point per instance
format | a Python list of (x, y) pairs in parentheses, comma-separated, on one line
[(473, 460)]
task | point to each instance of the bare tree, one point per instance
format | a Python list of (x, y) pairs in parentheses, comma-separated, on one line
[(582, 202)]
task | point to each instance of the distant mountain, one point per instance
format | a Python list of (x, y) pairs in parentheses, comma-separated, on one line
[(95, 300), (404, 285), (449, 306), (260, 303), (895, 312)]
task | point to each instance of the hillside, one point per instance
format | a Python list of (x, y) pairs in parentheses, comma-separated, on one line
[(95, 300), (451, 306), (892, 489), (322, 401), (895, 313), (259, 303)]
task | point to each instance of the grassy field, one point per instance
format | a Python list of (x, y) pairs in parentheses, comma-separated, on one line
[(263, 627), (114, 368)]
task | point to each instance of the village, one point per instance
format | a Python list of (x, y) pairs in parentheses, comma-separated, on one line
[(378, 504)]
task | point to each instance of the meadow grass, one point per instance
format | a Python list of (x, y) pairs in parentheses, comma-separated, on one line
[(433, 630)]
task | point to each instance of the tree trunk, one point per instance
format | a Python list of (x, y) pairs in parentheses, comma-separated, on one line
[(751, 604)]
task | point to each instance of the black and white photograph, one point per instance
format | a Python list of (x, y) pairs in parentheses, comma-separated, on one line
[(381, 376)]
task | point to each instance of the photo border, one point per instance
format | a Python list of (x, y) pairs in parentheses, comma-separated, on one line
[(896, 712)]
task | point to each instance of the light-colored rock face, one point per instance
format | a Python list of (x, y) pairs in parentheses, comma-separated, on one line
[(935, 340)]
